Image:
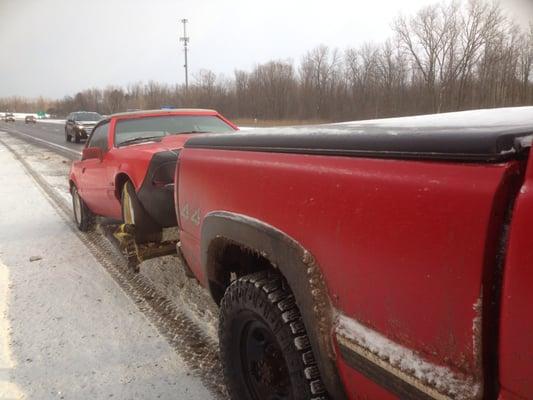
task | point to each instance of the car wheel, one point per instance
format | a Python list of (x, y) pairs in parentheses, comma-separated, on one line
[(67, 136), (133, 213), (127, 202), (83, 217), (264, 347)]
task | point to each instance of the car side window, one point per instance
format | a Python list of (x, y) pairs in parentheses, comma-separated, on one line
[(99, 137)]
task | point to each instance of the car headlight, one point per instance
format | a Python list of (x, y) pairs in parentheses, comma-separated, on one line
[(79, 126)]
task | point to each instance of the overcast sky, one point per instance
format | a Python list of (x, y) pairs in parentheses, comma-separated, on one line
[(58, 47)]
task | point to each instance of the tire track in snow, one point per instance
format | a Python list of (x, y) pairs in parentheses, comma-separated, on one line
[(196, 349)]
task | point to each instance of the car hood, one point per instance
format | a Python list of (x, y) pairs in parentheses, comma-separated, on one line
[(172, 142)]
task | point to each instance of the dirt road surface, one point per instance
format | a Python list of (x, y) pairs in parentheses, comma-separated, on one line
[(67, 329)]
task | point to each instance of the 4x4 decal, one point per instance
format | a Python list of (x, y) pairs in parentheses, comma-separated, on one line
[(186, 214)]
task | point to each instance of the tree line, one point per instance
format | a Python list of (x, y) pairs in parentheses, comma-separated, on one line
[(448, 56)]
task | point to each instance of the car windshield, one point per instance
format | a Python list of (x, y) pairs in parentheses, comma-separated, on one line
[(87, 116), (151, 128)]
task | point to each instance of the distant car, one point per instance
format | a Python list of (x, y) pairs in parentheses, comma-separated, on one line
[(127, 167), (9, 117), (30, 119), (79, 125)]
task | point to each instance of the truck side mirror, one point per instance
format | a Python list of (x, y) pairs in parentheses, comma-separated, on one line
[(92, 152)]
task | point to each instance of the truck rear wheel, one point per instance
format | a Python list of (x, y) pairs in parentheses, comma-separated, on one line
[(263, 342)]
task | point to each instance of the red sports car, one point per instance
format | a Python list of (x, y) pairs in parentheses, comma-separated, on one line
[(127, 167)]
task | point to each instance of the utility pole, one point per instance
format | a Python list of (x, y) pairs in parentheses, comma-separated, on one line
[(185, 40)]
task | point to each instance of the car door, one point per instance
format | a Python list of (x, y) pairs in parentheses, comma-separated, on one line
[(93, 172)]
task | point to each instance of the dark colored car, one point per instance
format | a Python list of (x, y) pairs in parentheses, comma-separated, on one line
[(30, 119), (80, 124), (9, 117)]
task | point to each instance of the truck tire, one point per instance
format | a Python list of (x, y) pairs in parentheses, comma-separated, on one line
[(264, 347), (83, 217)]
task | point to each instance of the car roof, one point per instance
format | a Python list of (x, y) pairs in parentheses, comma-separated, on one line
[(74, 113), (491, 135), (173, 111)]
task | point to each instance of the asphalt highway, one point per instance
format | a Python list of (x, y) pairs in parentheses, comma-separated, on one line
[(45, 134)]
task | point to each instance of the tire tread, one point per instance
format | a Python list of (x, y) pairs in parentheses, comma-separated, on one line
[(282, 311)]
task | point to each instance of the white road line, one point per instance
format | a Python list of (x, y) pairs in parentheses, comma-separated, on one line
[(48, 143)]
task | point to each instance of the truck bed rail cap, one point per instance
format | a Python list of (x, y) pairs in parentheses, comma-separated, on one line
[(490, 135)]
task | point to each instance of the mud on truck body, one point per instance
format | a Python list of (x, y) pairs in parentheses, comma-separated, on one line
[(368, 260)]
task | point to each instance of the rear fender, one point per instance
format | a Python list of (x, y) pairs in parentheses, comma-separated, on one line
[(296, 264)]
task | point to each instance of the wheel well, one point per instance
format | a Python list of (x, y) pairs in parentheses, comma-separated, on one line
[(230, 261), (232, 243), (120, 180)]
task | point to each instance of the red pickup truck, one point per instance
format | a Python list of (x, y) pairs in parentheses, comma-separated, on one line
[(372, 260)]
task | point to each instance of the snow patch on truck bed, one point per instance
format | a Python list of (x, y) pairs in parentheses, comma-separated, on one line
[(479, 118), (485, 121), (442, 379)]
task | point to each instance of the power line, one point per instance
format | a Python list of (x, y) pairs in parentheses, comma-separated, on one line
[(185, 40)]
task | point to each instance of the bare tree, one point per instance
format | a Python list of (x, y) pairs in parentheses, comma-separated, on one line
[(319, 71), (449, 56)]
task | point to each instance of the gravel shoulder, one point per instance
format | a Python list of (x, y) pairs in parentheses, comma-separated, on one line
[(67, 329)]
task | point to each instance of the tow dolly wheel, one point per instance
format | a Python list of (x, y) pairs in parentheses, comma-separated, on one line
[(83, 217), (264, 348), (128, 208), (133, 213), (138, 229), (126, 232), (125, 235)]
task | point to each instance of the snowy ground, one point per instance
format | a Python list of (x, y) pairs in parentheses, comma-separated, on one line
[(53, 121), (67, 328), (21, 116)]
